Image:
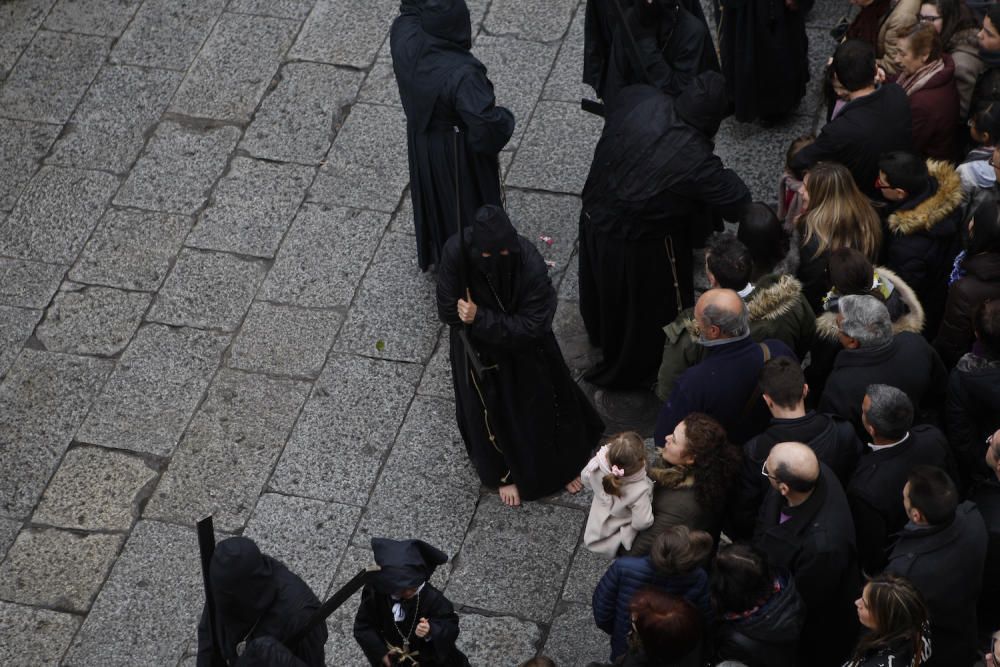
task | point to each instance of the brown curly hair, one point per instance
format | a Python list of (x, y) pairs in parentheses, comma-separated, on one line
[(716, 462)]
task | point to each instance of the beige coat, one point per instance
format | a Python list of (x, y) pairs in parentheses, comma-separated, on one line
[(901, 18), (614, 522)]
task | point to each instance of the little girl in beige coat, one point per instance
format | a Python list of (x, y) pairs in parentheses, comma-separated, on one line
[(623, 495)]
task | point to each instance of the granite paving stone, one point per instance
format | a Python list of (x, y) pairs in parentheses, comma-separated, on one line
[(252, 207), (22, 146), (428, 488), (108, 129), (574, 639), (234, 67), (552, 216), (518, 70), (380, 85), (95, 489), (402, 219), (92, 17), (436, 380), (306, 535), (208, 290), (55, 214), (154, 390), (224, 460), (8, 531), (500, 541), (51, 76), (46, 567), (288, 9), (345, 32), (497, 640), (569, 286), (284, 340), (324, 256), (150, 604), (34, 637), (28, 284), (18, 23), (557, 149), (43, 399), (335, 451), (92, 320), (177, 169), (564, 82), (167, 33), (342, 649), (297, 121), (527, 19), (584, 573), (367, 166), (16, 325), (395, 305)]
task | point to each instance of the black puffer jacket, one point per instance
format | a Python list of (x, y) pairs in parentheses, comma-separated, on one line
[(973, 410), (768, 636), (981, 282)]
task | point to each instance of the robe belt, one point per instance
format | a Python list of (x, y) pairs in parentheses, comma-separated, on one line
[(403, 656)]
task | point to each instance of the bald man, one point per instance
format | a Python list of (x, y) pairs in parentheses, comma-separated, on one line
[(805, 526), (724, 383)]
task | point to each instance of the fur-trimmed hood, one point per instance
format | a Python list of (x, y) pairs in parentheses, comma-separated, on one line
[(913, 321), (773, 297), (922, 217)]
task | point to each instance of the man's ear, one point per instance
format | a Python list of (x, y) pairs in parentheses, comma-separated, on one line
[(805, 391)]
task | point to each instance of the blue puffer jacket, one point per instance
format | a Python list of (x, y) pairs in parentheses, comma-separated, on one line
[(624, 578)]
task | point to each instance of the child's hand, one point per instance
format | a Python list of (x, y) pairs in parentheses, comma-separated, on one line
[(423, 628)]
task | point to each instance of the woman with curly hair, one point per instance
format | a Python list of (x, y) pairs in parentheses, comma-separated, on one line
[(896, 616), (692, 479)]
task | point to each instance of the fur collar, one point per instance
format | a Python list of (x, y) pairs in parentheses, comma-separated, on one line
[(671, 477), (773, 297), (966, 40), (935, 208), (913, 321)]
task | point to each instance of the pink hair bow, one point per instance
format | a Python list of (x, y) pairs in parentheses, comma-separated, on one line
[(617, 472)]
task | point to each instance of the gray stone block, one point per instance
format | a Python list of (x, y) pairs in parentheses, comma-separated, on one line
[(52, 75), (234, 67), (345, 32), (155, 388), (92, 320), (109, 127), (16, 325), (44, 398), (306, 535), (586, 570), (323, 257), (231, 446), (395, 305), (22, 146), (131, 249), (252, 207), (8, 531), (825, 15), (569, 286), (92, 17), (497, 640), (167, 33), (34, 637), (18, 23), (574, 639), (297, 121), (437, 380), (500, 541), (580, 500), (342, 649), (178, 168), (46, 567), (150, 604), (554, 217), (380, 85), (336, 449), (56, 214), (207, 290), (565, 82), (540, 22), (402, 219), (557, 149), (367, 166), (28, 284), (428, 489), (286, 9), (285, 340), (518, 70), (95, 489)]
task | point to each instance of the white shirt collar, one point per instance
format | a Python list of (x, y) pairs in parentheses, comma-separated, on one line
[(746, 291), (876, 448)]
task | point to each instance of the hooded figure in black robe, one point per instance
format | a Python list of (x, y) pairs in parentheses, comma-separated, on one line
[(396, 603), (765, 55), (443, 87), (525, 422), (652, 194), (259, 604)]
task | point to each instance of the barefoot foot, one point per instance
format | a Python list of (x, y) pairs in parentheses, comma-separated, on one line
[(575, 486), (510, 496)]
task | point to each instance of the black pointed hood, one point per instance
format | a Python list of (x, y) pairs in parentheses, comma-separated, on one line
[(404, 563), (448, 20), (704, 103), (242, 581)]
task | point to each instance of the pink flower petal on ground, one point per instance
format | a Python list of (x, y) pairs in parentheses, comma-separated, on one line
[(549, 263), (547, 239)]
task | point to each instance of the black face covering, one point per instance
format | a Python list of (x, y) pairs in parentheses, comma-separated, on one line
[(448, 19), (493, 233), (704, 103), (242, 582)]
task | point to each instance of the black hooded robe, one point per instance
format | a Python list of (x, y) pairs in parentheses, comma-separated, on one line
[(651, 188), (544, 427), (765, 56), (443, 86)]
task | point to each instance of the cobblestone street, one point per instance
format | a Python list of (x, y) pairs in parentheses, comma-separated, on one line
[(209, 303)]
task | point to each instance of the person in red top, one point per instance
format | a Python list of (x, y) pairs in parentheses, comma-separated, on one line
[(927, 75)]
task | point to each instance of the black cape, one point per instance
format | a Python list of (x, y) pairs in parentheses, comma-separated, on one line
[(544, 427), (765, 56), (443, 86), (374, 627), (654, 181)]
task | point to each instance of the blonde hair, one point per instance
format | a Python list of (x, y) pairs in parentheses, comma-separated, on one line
[(839, 215), (628, 452)]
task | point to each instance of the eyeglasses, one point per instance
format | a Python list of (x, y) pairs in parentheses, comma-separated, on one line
[(765, 473), (925, 18)]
